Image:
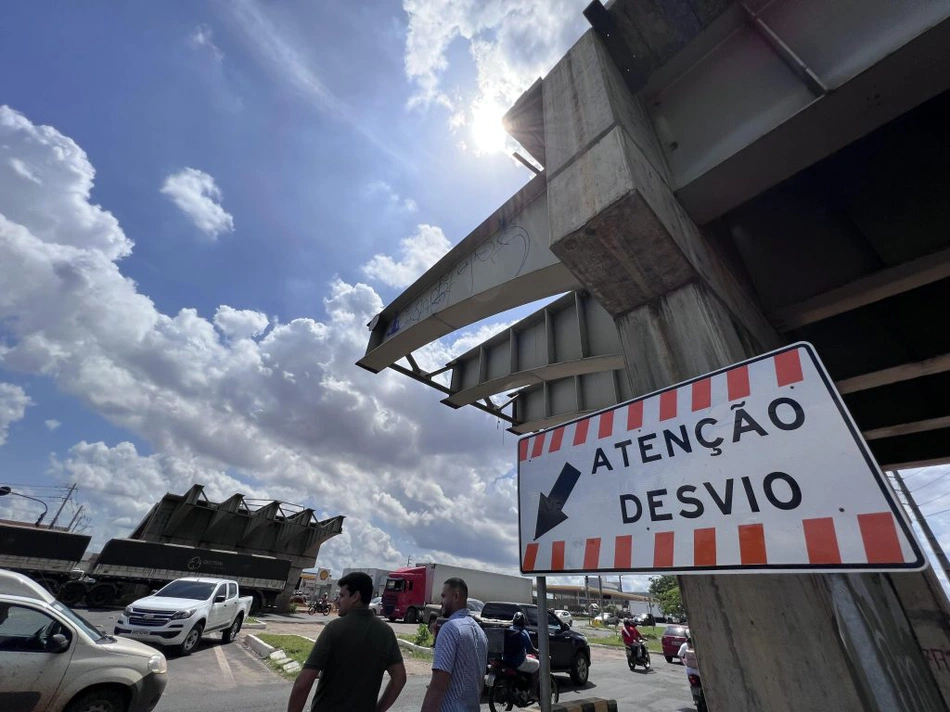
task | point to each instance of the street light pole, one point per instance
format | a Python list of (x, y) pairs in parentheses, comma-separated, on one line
[(5, 490)]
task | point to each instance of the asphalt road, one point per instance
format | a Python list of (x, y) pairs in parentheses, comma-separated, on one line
[(225, 678)]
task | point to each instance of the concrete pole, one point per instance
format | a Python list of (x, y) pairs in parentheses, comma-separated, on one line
[(544, 646), (765, 643)]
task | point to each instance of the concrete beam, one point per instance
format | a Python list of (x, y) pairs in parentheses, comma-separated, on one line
[(504, 263), (896, 374), (570, 336)]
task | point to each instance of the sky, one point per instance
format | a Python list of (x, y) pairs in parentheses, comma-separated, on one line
[(202, 204)]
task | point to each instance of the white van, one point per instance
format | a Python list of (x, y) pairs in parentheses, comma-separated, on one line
[(52, 660)]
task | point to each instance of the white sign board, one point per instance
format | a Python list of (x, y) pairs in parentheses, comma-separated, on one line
[(758, 467)]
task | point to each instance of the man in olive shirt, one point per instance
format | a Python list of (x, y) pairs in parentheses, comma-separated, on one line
[(350, 656)]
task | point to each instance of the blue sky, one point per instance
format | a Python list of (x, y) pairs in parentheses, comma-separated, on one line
[(204, 204)]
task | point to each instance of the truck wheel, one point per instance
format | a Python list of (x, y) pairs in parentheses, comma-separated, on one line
[(411, 616), (102, 594), (104, 699), (580, 670), (257, 602), (72, 592), (191, 640), (231, 633)]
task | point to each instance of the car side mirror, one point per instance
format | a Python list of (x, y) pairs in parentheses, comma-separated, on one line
[(58, 643), (220, 598)]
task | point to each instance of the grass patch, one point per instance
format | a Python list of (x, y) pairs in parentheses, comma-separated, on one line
[(410, 653), (651, 633), (251, 620)]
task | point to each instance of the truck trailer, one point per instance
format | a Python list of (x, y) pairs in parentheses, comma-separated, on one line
[(48, 556), (128, 566), (410, 589)]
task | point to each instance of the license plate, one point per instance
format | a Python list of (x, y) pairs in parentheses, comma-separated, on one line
[(491, 679)]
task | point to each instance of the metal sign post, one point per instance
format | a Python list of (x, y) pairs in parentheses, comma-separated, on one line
[(544, 646)]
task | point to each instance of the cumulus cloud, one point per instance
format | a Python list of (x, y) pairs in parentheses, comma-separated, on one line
[(510, 45), (418, 252), (198, 196), (13, 404), (237, 402), (51, 424)]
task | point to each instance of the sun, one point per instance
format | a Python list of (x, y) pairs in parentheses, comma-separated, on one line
[(488, 134)]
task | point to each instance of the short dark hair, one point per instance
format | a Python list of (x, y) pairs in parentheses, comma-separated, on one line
[(358, 582), (459, 585)]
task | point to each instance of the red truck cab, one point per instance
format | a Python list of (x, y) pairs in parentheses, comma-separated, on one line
[(406, 594)]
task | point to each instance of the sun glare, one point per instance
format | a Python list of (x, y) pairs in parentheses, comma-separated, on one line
[(488, 135)]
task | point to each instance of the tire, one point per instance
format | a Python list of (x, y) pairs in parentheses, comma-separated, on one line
[(555, 693), (102, 594), (499, 696), (72, 592), (311, 609), (580, 670), (102, 700), (230, 634), (669, 658), (647, 664), (412, 616), (191, 640)]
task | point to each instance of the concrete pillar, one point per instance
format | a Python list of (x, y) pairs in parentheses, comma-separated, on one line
[(765, 642)]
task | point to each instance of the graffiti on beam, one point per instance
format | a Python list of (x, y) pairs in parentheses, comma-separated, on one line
[(509, 247)]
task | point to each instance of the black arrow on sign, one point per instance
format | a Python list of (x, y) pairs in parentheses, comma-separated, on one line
[(550, 506)]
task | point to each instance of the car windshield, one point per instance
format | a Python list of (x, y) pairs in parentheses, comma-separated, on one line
[(678, 631), (395, 584), (78, 621), (196, 590)]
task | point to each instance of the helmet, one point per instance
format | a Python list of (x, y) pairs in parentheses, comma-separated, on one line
[(518, 620), (629, 622)]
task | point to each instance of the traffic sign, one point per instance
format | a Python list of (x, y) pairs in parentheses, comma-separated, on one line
[(757, 467)]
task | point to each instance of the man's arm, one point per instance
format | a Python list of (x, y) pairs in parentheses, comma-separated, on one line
[(397, 680), (437, 688), (301, 689)]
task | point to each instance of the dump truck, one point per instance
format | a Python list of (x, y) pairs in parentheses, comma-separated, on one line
[(51, 557)]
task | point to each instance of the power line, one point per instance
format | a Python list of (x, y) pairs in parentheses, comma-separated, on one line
[(934, 514), (934, 499), (936, 479)]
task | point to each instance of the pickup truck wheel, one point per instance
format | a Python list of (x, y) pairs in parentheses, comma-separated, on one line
[(191, 640), (580, 670), (231, 633), (101, 700), (411, 616)]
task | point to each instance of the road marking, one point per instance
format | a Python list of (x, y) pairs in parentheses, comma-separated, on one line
[(223, 663)]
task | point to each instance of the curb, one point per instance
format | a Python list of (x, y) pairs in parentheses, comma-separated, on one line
[(259, 646), (412, 646), (255, 626)]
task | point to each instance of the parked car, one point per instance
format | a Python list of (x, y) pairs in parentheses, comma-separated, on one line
[(53, 659), (673, 637), (474, 606), (376, 605), (644, 619), (184, 610), (565, 617), (570, 651), (608, 618)]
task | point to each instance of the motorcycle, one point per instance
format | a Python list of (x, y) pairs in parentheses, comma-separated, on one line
[(637, 654), (696, 687), (508, 688), (323, 607)]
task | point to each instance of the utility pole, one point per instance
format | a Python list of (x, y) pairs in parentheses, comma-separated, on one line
[(75, 517), (928, 533), (72, 488)]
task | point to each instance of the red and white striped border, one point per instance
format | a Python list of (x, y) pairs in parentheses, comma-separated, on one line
[(697, 396), (874, 540)]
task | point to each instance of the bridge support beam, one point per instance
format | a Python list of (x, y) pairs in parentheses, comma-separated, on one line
[(765, 642)]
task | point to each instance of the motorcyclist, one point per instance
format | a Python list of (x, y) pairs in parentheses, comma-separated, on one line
[(517, 646), (631, 636)]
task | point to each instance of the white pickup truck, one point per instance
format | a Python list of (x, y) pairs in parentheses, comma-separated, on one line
[(185, 609)]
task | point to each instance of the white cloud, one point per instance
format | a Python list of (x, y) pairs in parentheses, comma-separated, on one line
[(201, 37), (417, 253), (13, 404), (240, 323), (239, 404), (198, 196), (51, 424), (380, 190), (510, 44)]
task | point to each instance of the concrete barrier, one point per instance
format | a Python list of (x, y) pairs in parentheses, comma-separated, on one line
[(588, 704), (413, 646), (259, 646)]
